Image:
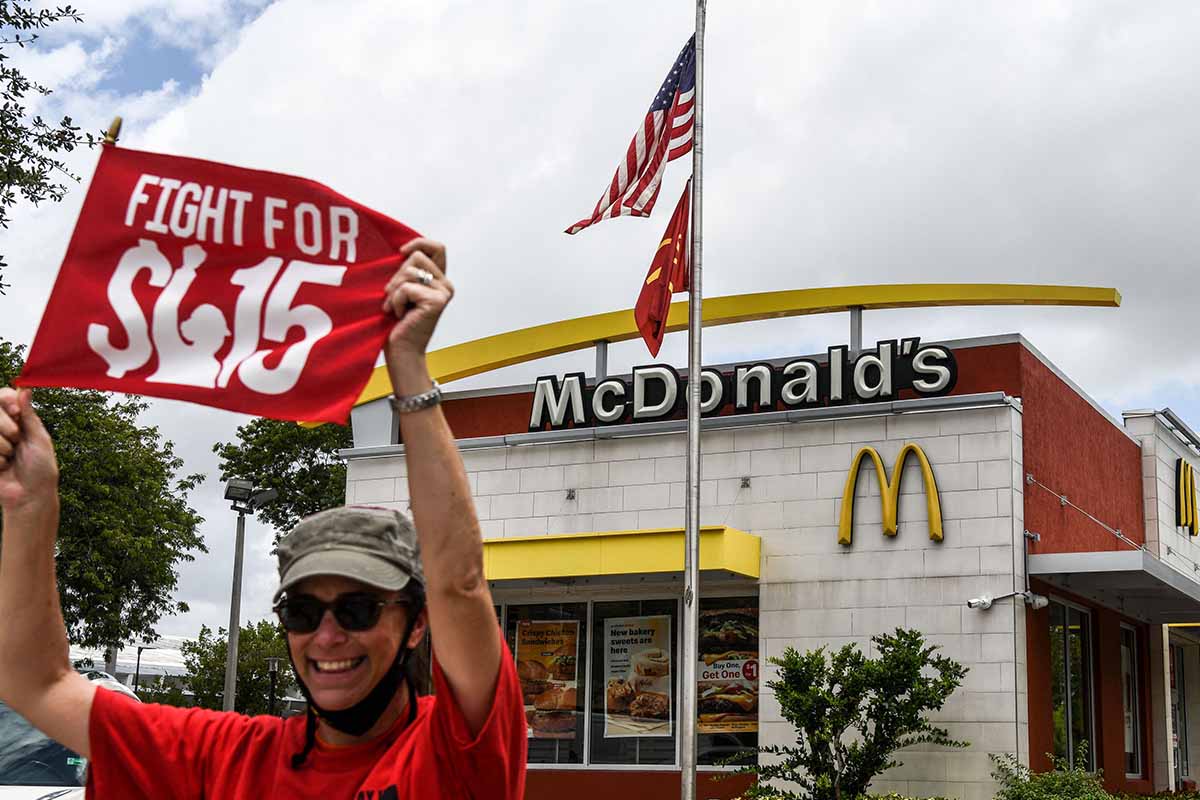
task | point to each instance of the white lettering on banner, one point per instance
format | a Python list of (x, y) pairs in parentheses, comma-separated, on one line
[(340, 236), (138, 197), (145, 255), (239, 199), (212, 213), (181, 227), (270, 223), (281, 316), (187, 351), (179, 362), (168, 186), (194, 211)]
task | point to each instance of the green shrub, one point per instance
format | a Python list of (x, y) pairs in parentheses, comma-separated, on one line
[(852, 715), (898, 796), (1017, 782)]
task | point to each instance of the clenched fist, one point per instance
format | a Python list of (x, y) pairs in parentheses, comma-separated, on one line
[(417, 294), (28, 468)]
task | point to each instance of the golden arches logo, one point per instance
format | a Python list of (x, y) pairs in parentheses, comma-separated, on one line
[(889, 492), (1185, 496)]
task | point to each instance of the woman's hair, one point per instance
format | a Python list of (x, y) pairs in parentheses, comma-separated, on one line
[(419, 667)]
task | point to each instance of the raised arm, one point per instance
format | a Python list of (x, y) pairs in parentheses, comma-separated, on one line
[(36, 676), (466, 638)]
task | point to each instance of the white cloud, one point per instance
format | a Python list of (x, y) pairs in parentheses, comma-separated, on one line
[(845, 143)]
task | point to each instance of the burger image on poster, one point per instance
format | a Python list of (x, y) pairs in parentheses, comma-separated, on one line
[(562, 663), (553, 711), (534, 677)]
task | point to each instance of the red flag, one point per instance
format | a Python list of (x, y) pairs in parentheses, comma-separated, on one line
[(668, 274), (236, 288)]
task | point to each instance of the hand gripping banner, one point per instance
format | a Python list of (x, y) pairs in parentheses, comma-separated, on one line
[(236, 288)]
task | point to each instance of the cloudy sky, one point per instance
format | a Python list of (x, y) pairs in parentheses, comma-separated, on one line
[(846, 143)]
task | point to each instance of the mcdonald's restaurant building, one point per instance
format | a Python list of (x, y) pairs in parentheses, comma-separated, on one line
[(967, 489)]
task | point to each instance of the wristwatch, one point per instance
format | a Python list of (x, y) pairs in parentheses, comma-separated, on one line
[(416, 402)]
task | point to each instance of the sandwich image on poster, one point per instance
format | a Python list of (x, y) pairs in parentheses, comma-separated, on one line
[(727, 675), (637, 671), (547, 666)]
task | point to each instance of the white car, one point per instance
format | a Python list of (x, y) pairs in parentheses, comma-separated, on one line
[(34, 766)]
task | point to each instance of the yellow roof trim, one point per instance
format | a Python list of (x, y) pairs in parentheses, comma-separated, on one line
[(577, 555), (528, 344)]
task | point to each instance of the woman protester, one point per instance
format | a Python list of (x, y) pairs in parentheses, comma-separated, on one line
[(359, 588)]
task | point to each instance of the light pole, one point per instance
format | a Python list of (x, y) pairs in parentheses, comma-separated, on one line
[(273, 667), (246, 498), (137, 671)]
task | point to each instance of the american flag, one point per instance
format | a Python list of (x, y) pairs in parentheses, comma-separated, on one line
[(664, 135)]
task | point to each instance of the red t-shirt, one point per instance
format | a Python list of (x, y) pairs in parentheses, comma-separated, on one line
[(152, 751)]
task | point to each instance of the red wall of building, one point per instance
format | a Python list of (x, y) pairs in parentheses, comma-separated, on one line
[(1076, 451), (543, 784), (1109, 705)]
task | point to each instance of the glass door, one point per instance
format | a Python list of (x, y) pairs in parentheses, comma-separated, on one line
[(1179, 715)]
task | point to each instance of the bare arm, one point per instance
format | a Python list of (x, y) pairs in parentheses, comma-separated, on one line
[(466, 637), (36, 676)]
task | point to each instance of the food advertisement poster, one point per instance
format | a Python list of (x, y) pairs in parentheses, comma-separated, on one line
[(727, 675), (637, 672), (547, 665)]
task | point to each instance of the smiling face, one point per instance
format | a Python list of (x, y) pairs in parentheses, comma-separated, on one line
[(340, 667)]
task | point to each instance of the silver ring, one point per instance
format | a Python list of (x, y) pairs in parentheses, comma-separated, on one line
[(424, 277)]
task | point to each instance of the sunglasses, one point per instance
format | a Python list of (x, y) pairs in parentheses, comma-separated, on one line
[(357, 611)]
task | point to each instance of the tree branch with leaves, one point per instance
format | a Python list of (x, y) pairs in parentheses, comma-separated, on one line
[(30, 147), (125, 522), (300, 463)]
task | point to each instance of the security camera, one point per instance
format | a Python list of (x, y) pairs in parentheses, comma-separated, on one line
[(1036, 601), (984, 602)]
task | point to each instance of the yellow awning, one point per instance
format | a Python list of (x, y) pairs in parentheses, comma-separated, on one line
[(658, 550)]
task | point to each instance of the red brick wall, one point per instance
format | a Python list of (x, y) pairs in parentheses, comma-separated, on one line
[(1037, 663), (1075, 450)]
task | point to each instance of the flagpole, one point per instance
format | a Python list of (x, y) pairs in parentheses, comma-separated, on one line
[(691, 555)]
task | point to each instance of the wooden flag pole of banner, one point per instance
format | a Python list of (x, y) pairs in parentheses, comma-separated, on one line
[(236, 288)]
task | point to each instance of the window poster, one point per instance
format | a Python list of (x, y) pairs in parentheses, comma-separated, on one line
[(727, 675), (637, 673), (547, 664)]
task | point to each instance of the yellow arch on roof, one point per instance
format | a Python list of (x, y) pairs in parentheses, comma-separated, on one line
[(529, 344)]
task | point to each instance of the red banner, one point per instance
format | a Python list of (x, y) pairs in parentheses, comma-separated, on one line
[(667, 275), (236, 288)]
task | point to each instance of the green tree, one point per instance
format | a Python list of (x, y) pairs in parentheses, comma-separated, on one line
[(167, 693), (29, 146), (205, 662), (852, 713), (125, 520), (300, 463)]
